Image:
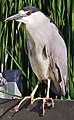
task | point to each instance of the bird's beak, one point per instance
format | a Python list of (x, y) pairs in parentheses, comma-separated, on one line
[(16, 17)]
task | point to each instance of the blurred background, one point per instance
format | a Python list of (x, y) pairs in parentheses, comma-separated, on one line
[(13, 37)]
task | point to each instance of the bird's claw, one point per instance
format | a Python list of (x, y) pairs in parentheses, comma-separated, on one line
[(27, 97), (48, 103), (45, 102), (16, 108)]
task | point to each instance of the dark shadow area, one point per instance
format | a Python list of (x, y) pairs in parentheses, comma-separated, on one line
[(38, 108)]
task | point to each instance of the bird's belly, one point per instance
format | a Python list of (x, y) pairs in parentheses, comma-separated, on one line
[(39, 67)]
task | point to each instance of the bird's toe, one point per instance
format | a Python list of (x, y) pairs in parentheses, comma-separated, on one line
[(16, 108)]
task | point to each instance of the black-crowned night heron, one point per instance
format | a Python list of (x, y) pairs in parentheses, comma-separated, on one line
[(46, 51)]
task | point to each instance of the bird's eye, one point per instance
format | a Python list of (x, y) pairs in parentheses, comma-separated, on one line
[(28, 13)]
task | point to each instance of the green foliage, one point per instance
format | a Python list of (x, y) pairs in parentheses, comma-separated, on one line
[(13, 37)]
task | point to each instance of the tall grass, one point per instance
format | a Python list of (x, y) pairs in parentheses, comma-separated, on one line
[(13, 37)]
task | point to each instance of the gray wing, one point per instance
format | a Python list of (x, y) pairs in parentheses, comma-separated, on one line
[(58, 53)]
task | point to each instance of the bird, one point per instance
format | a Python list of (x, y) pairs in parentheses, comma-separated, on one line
[(47, 52)]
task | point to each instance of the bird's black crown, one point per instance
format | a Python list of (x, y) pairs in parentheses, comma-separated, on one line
[(31, 8)]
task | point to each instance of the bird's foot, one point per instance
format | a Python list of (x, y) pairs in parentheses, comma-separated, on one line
[(26, 97), (46, 101), (49, 102)]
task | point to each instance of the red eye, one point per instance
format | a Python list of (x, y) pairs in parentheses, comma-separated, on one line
[(28, 13)]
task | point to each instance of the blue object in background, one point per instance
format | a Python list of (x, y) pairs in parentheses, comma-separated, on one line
[(10, 81)]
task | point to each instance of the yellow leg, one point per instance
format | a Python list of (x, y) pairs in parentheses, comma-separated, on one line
[(45, 100), (28, 97)]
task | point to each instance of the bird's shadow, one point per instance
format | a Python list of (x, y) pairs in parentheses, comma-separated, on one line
[(38, 108), (35, 107)]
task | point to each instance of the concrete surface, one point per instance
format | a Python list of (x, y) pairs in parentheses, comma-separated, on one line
[(63, 110)]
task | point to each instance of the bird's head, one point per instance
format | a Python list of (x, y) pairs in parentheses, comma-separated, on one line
[(25, 15)]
